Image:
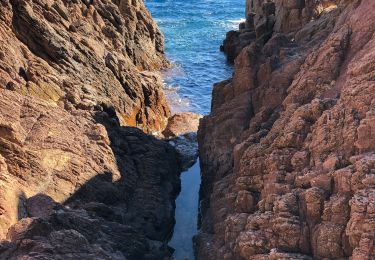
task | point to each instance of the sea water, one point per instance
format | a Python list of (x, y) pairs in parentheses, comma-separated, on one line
[(194, 31), (186, 214)]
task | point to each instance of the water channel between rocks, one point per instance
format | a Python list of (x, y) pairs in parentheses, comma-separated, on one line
[(193, 30), (186, 214)]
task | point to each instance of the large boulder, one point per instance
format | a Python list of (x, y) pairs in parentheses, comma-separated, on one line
[(181, 132)]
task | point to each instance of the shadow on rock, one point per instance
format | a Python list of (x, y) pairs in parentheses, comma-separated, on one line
[(130, 216), (181, 133)]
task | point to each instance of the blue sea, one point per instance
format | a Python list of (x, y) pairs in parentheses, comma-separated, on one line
[(194, 31)]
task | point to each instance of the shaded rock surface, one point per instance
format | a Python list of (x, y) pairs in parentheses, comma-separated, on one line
[(103, 219), (287, 153), (77, 179), (181, 132)]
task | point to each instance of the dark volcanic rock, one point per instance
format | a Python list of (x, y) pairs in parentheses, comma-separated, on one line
[(287, 153)]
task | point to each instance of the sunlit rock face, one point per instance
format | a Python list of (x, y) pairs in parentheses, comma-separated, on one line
[(287, 153), (265, 18), (85, 55), (78, 178)]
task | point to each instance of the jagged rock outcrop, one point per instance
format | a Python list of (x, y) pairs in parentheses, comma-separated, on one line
[(123, 208), (84, 55), (287, 153), (263, 18), (77, 180)]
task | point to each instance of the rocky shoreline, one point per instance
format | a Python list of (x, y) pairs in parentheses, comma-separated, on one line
[(80, 177), (287, 154), (90, 155)]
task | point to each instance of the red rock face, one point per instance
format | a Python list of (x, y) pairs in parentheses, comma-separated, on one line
[(85, 55), (287, 152), (77, 180)]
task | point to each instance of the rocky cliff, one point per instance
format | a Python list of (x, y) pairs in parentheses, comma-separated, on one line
[(78, 180), (288, 151)]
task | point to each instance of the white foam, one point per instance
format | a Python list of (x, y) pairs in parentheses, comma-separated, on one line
[(233, 24), (177, 103), (237, 21)]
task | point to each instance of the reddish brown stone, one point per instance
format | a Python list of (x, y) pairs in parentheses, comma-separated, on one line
[(304, 150), (77, 179)]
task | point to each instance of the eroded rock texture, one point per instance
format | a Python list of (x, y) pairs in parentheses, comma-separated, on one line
[(288, 151), (77, 180), (85, 54)]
